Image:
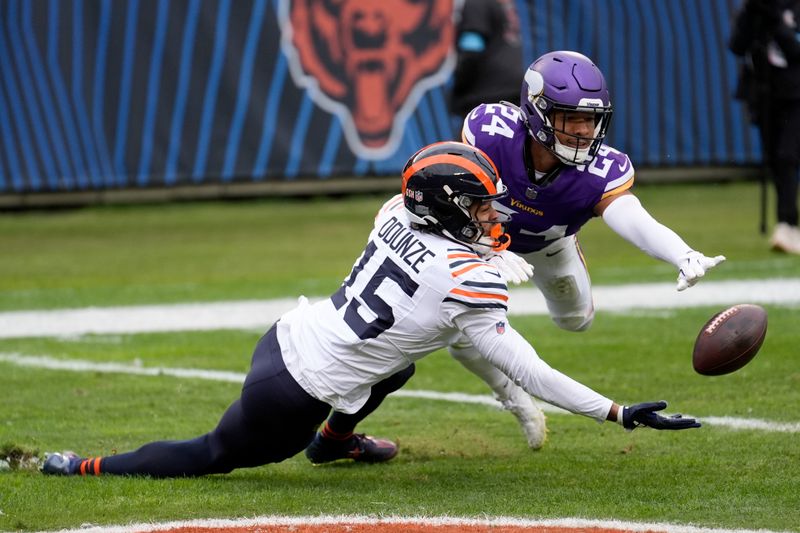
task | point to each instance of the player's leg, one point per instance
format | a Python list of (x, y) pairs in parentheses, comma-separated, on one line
[(337, 440), (510, 395), (274, 419), (217, 452), (561, 275), (784, 160), (207, 454)]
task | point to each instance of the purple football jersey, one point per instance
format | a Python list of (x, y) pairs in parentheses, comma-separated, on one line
[(542, 214)]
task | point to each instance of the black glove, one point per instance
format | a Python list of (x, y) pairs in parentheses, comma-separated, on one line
[(644, 414)]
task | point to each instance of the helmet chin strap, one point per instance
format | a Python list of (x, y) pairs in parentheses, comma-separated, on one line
[(485, 244)]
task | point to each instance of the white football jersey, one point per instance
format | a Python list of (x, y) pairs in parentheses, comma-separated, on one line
[(411, 293)]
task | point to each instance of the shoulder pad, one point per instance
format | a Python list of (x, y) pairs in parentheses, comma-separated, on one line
[(615, 168), (392, 204), (478, 283), (488, 124)]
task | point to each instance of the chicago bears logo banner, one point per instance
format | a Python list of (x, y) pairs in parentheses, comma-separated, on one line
[(368, 61), (130, 94)]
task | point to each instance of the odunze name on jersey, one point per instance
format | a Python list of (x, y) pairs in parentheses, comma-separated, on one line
[(401, 241)]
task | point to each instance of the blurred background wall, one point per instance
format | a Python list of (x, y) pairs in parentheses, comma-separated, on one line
[(209, 97)]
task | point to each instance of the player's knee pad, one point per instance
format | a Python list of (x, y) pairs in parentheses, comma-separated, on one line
[(561, 289), (574, 322)]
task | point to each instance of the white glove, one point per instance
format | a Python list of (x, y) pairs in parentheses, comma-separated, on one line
[(513, 268), (693, 266)]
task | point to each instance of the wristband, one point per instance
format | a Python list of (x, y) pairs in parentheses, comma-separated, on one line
[(621, 415)]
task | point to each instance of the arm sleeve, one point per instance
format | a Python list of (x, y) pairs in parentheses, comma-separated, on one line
[(629, 219), (507, 350)]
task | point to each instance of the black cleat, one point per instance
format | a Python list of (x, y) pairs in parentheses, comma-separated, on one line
[(359, 447)]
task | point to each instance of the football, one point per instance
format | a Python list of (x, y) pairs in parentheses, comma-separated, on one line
[(729, 340)]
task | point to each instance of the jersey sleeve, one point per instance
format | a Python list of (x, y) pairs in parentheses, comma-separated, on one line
[(506, 349), (620, 173), (490, 126), (472, 124), (476, 304), (394, 203), (478, 284)]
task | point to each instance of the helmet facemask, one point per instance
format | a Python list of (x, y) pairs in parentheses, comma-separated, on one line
[(482, 236), (581, 150)]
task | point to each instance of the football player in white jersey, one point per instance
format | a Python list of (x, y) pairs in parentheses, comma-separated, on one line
[(421, 281)]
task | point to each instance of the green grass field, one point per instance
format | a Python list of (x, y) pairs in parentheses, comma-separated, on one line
[(456, 459)]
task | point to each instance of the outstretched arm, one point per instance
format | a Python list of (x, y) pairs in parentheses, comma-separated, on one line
[(626, 216), (507, 350)]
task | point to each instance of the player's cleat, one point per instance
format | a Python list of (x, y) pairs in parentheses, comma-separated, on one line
[(358, 447), (61, 464), (528, 414), (786, 239)]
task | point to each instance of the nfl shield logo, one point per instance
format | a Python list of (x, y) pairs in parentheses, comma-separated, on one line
[(500, 327)]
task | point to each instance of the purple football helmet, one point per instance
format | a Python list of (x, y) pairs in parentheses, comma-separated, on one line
[(568, 82)]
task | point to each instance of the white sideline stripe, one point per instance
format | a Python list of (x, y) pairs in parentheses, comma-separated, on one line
[(260, 314), (433, 521), (78, 365)]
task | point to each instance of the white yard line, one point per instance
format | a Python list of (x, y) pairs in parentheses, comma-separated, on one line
[(470, 524), (260, 314), (77, 365)]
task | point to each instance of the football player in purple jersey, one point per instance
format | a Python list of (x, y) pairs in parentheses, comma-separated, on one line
[(550, 153)]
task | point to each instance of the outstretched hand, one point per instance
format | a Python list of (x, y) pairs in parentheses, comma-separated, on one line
[(644, 414), (693, 266)]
